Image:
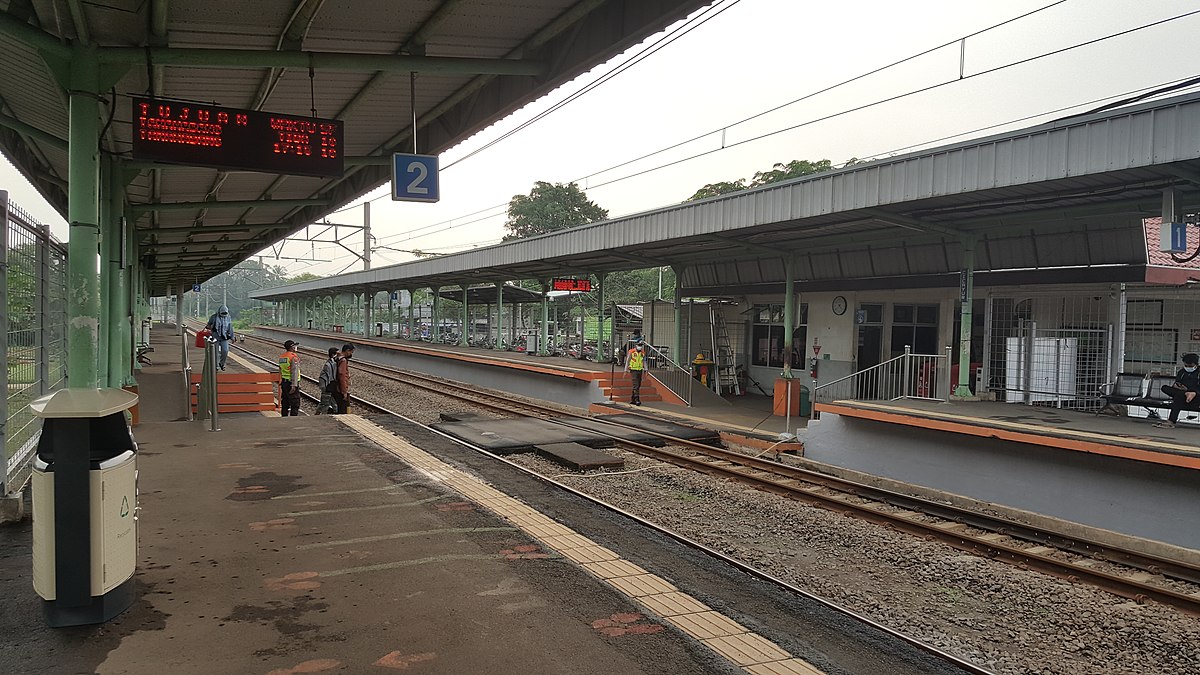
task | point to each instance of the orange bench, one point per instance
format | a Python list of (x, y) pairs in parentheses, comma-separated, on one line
[(241, 392)]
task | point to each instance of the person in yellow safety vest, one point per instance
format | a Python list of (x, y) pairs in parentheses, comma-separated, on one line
[(289, 380), (635, 363)]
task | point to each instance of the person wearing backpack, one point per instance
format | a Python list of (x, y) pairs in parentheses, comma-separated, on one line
[(326, 381), (221, 327)]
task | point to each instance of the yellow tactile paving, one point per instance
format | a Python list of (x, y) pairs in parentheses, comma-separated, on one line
[(756, 654), (589, 554), (786, 667), (705, 625), (674, 603), (611, 569), (642, 584), (746, 649)]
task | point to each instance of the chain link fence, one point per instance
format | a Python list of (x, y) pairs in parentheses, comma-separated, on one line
[(33, 295)]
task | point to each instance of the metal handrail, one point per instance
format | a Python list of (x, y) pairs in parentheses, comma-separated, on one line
[(907, 376), (676, 378)]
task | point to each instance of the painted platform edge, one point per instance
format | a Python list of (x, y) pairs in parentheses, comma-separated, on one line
[(976, 427)]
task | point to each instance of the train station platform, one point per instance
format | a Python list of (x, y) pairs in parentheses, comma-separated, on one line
[(314, 544), (1116, 473), (582, 384)]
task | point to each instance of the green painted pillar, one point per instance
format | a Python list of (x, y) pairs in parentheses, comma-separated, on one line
[(789, 315), (434, 326), (678, 355), (601, 351), (103, 376), (967, 296), (117, 303), (499, 315), (466, 319), (127, 282), (412, 308), (543, 344), (83, 287)]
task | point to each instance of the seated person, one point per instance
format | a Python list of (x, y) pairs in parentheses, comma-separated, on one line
[(1184, 391)]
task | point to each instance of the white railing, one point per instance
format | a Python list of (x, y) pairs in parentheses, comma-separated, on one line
[(908, 376), (672, 375)]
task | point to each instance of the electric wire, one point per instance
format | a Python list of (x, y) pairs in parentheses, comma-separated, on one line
[(409, 234)]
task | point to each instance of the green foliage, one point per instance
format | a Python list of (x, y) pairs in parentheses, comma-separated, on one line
[(234, 287), (550, 207), (780, 172), (717, 189), (634, 286), (303, 276)]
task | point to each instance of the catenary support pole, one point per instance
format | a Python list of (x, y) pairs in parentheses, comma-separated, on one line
[(966, 296)]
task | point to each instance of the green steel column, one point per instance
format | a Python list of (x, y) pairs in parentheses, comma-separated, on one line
[(412, 307), (434, 326), (678, 355), (117, 305), (465, 318), (601, 351), (789, 314), (966, 295), (106, 254), (499, 315), (543, 347), (83, 287), (392, 312)]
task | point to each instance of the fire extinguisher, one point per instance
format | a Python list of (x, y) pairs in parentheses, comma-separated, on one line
[(812, 367)]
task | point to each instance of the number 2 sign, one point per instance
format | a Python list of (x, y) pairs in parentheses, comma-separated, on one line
[(415, 178)]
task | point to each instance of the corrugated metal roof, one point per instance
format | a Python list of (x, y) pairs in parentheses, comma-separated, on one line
[(565, 37), (1068, 193)]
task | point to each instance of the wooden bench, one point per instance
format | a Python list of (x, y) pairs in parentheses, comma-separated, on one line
[(241, 392), (1142, 391)]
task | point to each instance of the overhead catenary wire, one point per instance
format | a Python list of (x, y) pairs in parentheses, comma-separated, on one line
[(407, 235)]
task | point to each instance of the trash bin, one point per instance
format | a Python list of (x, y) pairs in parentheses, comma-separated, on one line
[(805, 402), (531, 343), (84, 502), (379, 330)]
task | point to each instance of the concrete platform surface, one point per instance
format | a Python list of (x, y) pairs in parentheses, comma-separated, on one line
[(287, 545)]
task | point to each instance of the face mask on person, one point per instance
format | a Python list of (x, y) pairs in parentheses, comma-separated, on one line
[(1189, 369)]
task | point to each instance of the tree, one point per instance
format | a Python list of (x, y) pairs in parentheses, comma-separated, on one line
[(303, 276), (550, 207), (779, 172)]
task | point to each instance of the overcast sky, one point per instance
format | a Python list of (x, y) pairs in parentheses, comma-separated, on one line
[(752, 56)]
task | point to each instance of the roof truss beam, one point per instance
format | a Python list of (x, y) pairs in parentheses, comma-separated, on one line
[(231, 204)]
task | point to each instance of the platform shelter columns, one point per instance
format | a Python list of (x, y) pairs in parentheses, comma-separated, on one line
[(369, 316), (789, 315), (466, 318), (435, 328), (543, 343), (966, 288), (499, 346), (675, 348), (120, 328), (602, 355), (83, 211)]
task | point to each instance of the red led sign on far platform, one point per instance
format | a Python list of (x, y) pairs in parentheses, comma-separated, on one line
[(583, 285), (227, 138)]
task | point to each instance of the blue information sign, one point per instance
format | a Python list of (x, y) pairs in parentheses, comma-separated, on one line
[(415, 178), (195, 288), (1173, 238)]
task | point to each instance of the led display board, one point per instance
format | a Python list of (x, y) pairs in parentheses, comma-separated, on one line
[(584, 285), (197, 134)]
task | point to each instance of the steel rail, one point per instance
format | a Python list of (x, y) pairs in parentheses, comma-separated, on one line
[(788, 481), (964, 665)]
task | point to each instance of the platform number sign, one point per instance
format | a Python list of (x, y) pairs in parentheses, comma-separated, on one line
[(415, 178), (195, 288), (1173, 238)]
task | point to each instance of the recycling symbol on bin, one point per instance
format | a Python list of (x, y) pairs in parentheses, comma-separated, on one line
[(124, 506)]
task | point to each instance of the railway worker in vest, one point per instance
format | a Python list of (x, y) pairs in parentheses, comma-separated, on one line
[(635, 363), (289, 380), (341, 390), (325, 383), (1184, 390), (221, 326)]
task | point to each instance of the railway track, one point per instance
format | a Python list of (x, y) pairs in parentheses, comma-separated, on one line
[(1124, 572)]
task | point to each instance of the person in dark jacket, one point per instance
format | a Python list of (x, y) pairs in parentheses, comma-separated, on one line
[(341, 390), (221, 325), (1183, 391)]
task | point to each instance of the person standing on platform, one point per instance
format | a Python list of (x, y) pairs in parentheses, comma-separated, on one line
[(1183, 391), (341, 393), (326, 382), (289, 380), (221, 326), (635, 363)]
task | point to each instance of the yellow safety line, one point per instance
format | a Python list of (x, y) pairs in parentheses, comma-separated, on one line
[(751, 651)]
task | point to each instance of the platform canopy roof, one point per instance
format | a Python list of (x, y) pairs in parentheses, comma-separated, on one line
[(475, 62), (1060, 202)]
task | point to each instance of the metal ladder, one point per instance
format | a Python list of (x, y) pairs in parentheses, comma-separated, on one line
[(726, 368)]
